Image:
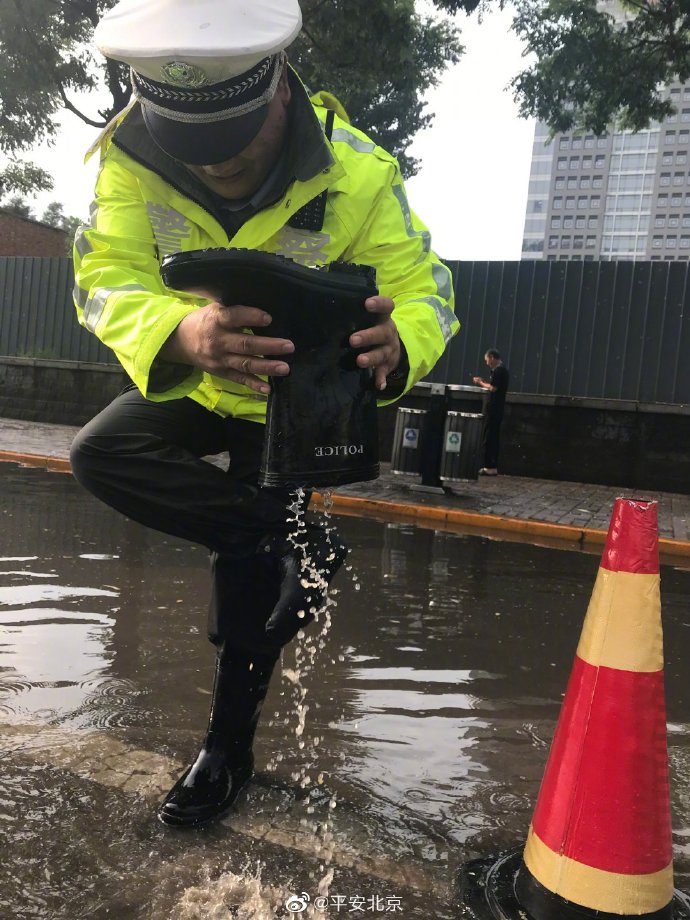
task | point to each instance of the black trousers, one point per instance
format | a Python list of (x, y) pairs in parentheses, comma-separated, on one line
[(143, 458), (491, 435)]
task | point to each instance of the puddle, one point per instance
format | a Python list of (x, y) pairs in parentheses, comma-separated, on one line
[(421, 706)]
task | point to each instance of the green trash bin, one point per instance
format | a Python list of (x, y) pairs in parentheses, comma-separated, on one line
[(462, 441)]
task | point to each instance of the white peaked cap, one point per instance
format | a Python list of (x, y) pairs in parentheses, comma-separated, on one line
[(224, 38)]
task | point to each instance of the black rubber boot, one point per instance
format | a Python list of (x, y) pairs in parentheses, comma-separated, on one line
[(307, 567), (209, 788)]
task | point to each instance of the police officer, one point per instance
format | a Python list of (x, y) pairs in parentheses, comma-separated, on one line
[(223, 146)]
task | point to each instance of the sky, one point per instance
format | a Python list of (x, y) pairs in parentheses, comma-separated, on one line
[(471, 189)]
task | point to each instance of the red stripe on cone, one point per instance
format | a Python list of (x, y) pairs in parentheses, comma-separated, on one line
[(604, 799), (632, 544)]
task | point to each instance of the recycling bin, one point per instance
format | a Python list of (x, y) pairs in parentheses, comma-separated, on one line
[(407, 442), (462, 439)]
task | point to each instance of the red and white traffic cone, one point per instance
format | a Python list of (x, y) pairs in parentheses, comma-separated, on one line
[(599, 844)]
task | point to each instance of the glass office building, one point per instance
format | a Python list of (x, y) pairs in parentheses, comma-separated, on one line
[(620, 196)]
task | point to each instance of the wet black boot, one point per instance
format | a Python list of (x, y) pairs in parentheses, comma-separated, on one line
[(209, 788), (306, 570)]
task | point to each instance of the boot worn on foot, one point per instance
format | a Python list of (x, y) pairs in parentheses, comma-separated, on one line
[(307, 568), (209, 788)]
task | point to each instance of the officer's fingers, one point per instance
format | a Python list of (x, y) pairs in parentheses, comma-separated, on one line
[(384, 357), (379, 304), (384, 333), (243, 343), (239, 316)]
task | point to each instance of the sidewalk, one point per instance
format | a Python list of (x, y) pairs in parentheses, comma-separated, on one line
[(502, 506)]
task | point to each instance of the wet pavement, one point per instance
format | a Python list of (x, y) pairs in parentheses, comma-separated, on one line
[(406, 734), (511, 505)]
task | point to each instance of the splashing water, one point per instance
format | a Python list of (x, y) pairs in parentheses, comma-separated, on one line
[(244, 897)]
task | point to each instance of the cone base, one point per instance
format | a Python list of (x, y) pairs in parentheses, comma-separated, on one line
[(501, 888)]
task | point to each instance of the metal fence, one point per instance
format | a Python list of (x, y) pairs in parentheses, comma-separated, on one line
[(37, 315), (612, 330)]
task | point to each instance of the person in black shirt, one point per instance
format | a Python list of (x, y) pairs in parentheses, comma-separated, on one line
[(496, 387)]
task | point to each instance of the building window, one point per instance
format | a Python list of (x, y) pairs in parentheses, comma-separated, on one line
[(595, 201), (679, 178), (657, 242), (597, 182), (551, 258), (574, 162), (568, 222), (592, 222), (662, 201), (667, 159), (585, 182), (591, 242), (578, 242), (660, 221), (684, 137), (580, 222), (670, 137), (681, 158), (685, 222), (603, 140), (673, 220), (557, 202), (656, 258), (564, 143), (562, 163), (676, 201), (671, 242), (553, 242), (577, 142), (665, 179), (685, 242), (565, 242), (589, 141), (572, 181), (570, 202), (555, 223), (582, 201), (685, 115), (586, 162), (599, 161), (560, 182)]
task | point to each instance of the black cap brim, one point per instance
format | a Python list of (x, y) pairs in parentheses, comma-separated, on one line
[(207, 143)]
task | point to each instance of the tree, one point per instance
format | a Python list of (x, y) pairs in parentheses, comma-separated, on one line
[(596, 64), (378, 56), (55, 216), (17, 205)]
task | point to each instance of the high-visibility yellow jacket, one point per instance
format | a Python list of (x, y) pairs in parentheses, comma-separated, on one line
[(138, 217)]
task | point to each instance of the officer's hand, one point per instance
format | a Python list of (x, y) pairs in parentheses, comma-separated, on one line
[(381, 341), (215, 339)]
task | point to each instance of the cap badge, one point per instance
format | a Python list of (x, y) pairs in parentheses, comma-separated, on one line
[(179, 73)]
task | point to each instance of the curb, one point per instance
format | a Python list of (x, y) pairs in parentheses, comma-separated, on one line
[(443, 518)]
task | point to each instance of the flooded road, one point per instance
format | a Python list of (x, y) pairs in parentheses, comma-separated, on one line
[(405, 739)]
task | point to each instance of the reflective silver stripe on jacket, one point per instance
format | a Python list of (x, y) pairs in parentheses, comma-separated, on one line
[(444, 316), (357, 143), (93, 307), (82, 244), (424, 235)]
